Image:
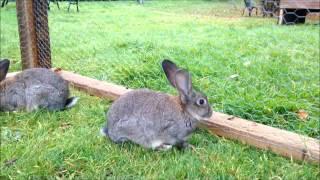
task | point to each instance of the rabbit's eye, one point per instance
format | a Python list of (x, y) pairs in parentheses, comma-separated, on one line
[(201, 102)]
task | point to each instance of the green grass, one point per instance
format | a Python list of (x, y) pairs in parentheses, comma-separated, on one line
[(124, 43)]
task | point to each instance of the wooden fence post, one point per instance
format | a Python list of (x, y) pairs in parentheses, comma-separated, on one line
[(34, 33)]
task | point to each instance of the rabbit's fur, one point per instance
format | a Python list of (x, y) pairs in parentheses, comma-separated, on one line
[(33, 89), (157, 120)]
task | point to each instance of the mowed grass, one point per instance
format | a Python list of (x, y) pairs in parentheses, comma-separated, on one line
[(277, 69)]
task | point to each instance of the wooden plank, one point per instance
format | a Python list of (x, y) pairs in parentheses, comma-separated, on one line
[(92, 86), (279, 141), (300, 4)]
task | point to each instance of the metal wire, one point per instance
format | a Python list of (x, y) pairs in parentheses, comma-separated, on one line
[(286, 12), (40, 11), (34, 33), (265, 8)]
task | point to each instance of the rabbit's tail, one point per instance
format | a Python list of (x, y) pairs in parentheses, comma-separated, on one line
[(104, 131), (71, 102)]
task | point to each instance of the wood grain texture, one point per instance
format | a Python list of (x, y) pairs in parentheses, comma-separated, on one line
[(33, 26), (93, 86), (27, 33), (279, 141), (300, 4)]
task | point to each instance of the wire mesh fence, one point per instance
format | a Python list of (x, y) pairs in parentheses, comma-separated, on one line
[(37, 32), (34, 33), (286, 11), (42, 33), (123, 42)]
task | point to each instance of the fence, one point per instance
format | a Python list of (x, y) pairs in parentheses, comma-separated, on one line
[(92, 46), (34, 32)]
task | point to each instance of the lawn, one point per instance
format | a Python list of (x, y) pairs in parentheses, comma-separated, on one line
[(276, 70)]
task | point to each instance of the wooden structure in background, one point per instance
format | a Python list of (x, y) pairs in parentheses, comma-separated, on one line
[(73, 2), (300, 4), (279, 141), (295, 11), (34, 33)]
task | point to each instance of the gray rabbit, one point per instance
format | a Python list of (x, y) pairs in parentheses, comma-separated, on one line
[(157, 120), (33, 89)]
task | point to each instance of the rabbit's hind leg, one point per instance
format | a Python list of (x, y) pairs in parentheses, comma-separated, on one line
[(42, 96), (116, 138), (161, 146), (121, 140), (184, 145)]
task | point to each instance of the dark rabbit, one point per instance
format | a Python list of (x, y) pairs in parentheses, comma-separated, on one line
[(33, 89), (157, 120)]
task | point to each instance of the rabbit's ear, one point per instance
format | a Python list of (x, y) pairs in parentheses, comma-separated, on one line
[(4, 67), (170, 70), (183, 84)]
